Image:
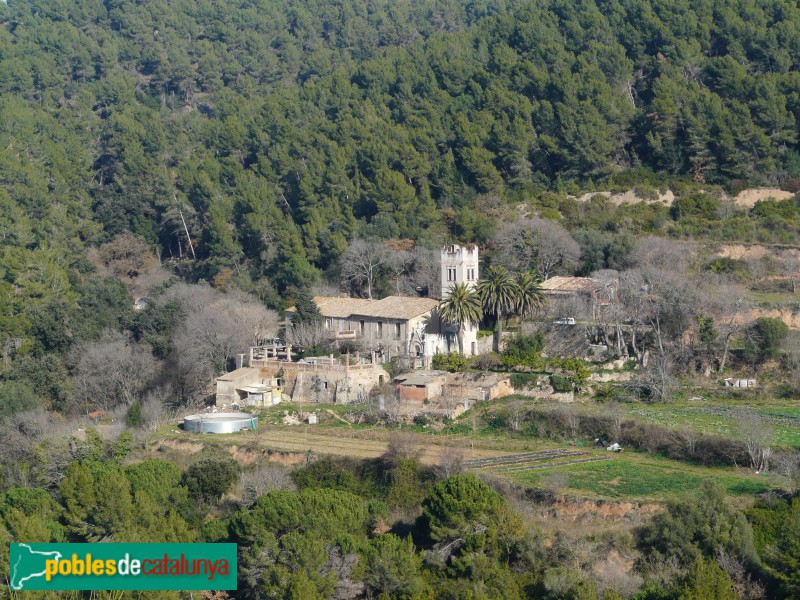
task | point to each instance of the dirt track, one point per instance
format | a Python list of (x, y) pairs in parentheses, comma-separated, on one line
[(345, 443)]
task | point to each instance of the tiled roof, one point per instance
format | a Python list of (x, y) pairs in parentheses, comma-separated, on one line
[(340, 308), (421, 378), (470, 380), (234, 375), (391, 307), (570, 284)]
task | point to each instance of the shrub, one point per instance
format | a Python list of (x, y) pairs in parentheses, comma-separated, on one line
[(523, 380), (452, 361), (729, 266), (765, 338), (698, 527), (575, 367), (17, 397), (134, 416), (708, 580), (561, 384), (523, 350), (487, 362), (454, 506), (209, 479), (606, 393)]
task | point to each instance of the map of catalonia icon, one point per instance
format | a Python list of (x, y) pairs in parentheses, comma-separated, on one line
[(29, 564)]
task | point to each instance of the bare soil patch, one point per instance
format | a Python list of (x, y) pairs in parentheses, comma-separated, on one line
[(748, 198)]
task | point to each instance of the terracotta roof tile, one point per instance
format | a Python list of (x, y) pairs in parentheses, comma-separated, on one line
[(391, 307), (570, 284)]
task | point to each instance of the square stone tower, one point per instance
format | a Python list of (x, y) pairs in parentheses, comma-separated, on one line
[(459, 265)]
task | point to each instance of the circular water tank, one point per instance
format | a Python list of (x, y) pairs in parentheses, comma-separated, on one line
[(219, 422)]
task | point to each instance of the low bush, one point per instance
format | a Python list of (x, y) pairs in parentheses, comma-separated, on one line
[(523, 380), (452, 361), (561, 384), (523, 350)]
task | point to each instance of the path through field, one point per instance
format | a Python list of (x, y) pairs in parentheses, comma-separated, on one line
[(346, 443)]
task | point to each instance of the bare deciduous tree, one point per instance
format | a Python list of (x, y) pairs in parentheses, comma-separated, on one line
[(664, 253), (155, 409), (616, 415), (787, 465), (451, 462), (730, 309), (570, 419), (109, 372), (689, 437), (655, 382), (758, 436), (424, 274), (746, 588), (555, 482), (128, 255), (361, 264), (630, 300), (307, 335), (790, 265), (535, 244), (516, 411), (399, 262), (402, 446), (214, 328), (266, 478)]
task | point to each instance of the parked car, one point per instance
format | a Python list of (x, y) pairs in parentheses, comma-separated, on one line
[(565, 321)]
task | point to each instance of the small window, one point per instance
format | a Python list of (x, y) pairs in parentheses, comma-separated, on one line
[(380, 328), (397, 330), (451, 274), (361, 325)]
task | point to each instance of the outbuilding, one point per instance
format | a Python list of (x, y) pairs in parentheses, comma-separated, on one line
[(420, 386)]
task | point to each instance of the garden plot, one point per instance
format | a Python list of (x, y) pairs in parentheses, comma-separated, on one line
[(718, 419), (634, 477), (529, 461)]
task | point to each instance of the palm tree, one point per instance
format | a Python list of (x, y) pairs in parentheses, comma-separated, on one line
[(459, 308), (530, 296), (498, 293)]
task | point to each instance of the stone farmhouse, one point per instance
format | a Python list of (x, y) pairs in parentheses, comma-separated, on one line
[(272, 376), (404, 325), (594, 293)]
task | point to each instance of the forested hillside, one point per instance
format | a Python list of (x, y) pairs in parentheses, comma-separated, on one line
[(173, 173), (249, 143), (281, 130)]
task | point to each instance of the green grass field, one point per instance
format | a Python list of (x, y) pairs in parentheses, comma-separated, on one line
[(719, 419), (643, 478)]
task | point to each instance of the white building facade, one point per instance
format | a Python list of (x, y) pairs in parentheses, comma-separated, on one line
[(459, 265)]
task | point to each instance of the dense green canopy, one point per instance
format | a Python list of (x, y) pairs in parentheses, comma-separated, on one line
[(279, 130)]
